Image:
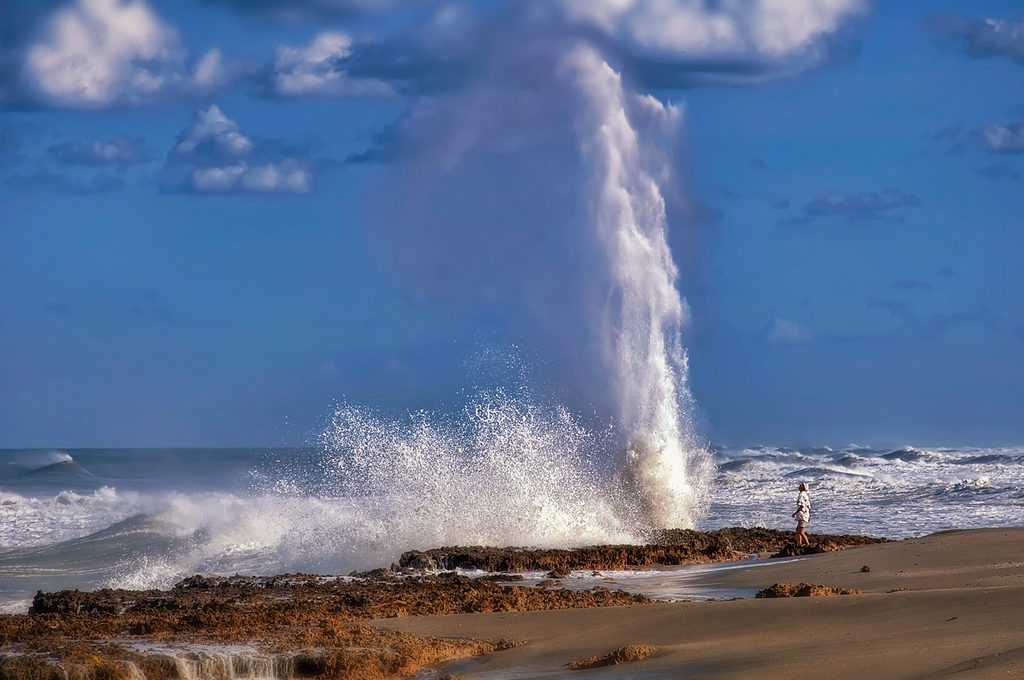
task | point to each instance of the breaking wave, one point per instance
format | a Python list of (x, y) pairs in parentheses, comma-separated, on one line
[(505, 471)]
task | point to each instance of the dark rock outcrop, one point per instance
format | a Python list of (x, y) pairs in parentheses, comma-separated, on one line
[(669, 547), (299, 624)]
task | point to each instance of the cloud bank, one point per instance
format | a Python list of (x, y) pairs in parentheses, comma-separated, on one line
[(93, 54), (773, 29)]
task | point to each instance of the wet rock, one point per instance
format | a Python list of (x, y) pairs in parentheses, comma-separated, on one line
[(790, 550), (414, 559), (197, 581), (823, 546), (379, 574), (865, 569), (309, 626), (502, 578)]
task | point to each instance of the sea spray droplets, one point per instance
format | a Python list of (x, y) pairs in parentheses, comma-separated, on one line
[(641, 319), (504, 472)]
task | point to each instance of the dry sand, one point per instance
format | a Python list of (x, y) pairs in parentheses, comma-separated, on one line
[(945, 605)]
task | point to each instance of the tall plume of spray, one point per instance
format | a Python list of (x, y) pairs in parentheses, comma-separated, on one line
[(591, 274), (624, 137), (641, 319)]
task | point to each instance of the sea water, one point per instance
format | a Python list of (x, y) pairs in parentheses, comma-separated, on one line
[(140, 518)]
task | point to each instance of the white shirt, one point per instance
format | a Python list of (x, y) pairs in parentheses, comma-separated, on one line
[(804, 501)]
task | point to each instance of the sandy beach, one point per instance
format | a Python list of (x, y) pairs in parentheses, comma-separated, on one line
[(945, 605)]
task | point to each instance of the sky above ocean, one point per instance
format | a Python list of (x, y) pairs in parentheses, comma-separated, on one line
[(219, 217)]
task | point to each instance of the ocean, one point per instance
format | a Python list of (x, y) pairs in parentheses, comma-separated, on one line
[(140, 518)]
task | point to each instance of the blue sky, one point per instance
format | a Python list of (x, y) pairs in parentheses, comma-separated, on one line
[(218, 217)]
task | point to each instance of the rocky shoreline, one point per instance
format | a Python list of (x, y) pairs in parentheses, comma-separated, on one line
[(668, 547), (309, 626)]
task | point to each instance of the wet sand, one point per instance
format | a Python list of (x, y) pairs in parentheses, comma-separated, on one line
[(945, 605)]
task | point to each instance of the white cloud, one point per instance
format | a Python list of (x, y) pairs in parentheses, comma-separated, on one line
[(214, 135), (212, 72), (287, 177), (97, 53), (1002, 37), (781, 27), (784, 330), (121, 151), (213, 156), (772, 29), (315, 71), (217, 180), (865, 205), (1004, 138)]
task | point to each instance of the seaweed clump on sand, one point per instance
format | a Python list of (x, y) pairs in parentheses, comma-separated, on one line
[(803, 590), (296, 625), (626, 654), (667, 546)]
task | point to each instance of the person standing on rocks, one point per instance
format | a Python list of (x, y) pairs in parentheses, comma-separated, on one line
[(802, 515)]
